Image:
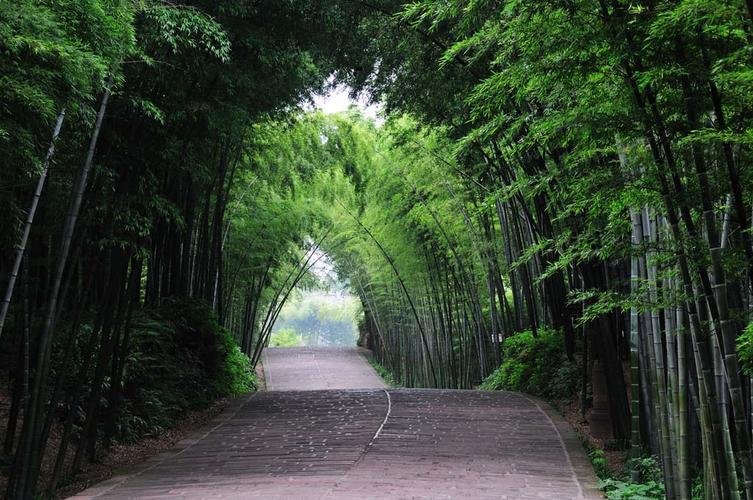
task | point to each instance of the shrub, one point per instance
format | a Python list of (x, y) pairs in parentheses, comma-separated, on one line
[(647, 468), (650, 486), (626, 490), (600, 464), (285, 337), (534, 365), (180, 359)]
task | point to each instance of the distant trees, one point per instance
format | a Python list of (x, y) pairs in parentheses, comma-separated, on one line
[(320, 320)]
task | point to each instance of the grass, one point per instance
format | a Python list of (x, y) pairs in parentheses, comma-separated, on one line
[(383, 372)]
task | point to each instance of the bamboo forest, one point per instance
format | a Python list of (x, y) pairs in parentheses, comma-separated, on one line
[(535, 217)]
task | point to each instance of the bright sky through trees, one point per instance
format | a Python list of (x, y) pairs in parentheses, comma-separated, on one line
[(337, 99)]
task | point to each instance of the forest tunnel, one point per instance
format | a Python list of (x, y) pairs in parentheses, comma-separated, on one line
[(555, 199), (346, 201)]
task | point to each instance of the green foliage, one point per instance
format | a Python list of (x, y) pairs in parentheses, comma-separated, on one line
[(745, 349), (697, 490), (383, 372), (187, 28), (534, 365), (55, 55), (626, 490), (180, 360), (235, 376), (650, 485), (646, 467), (622, 486), (285, 337), (600, 464)]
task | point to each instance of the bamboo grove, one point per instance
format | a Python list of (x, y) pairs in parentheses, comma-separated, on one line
[(577, 170)]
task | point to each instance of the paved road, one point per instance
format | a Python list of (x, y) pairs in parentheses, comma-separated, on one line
[(313, 368), (366, 443)]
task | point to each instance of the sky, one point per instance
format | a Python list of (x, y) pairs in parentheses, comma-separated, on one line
[(337, 99)]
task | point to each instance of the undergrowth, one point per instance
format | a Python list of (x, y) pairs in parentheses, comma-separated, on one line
[(648, 482), (383, 372), (534, 365), (180, 359)]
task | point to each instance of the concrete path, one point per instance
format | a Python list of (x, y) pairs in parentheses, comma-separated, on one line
[(313, 368), (366, 443)]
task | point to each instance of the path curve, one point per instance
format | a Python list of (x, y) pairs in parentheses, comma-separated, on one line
[(366, 443)]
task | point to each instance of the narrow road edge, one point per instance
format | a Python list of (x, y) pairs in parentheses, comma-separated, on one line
[(580, 465)]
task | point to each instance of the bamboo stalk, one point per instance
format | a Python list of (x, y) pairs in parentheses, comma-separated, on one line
[(21, 249)]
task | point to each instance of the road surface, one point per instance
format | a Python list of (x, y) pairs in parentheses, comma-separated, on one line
[(327, 428), (313, 368)]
